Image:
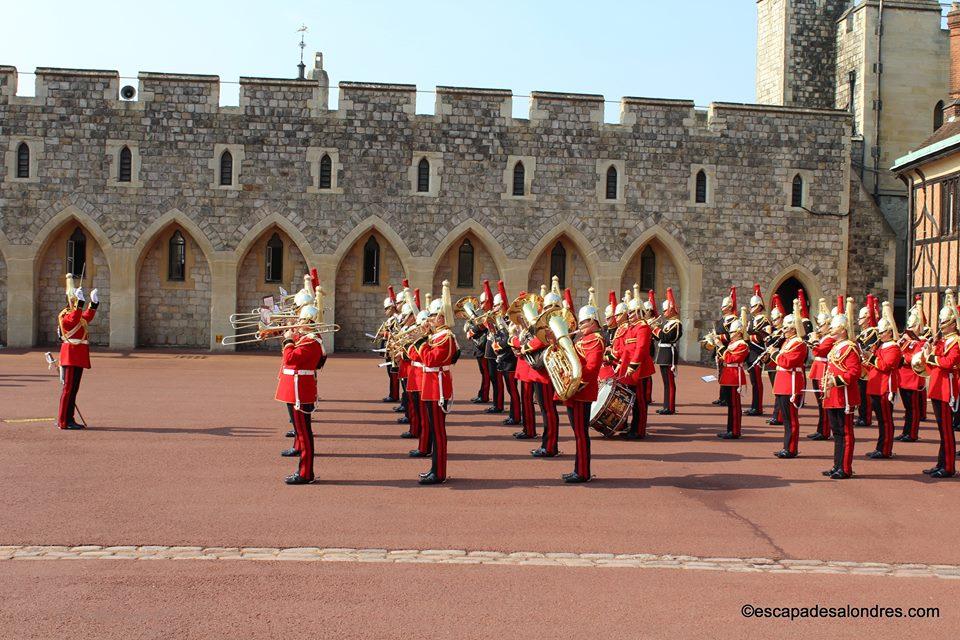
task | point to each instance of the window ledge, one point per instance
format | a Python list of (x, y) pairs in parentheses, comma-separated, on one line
[(526, 198)]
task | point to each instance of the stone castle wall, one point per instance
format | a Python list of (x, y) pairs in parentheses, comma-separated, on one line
[(3, 301), (746, 230)]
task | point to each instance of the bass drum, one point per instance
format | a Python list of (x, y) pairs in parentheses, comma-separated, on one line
[(609, 412)]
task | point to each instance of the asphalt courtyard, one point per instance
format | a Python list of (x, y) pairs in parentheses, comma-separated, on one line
[(169, 518)]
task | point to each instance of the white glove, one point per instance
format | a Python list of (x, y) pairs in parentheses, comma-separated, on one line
[(80, 295), (94, 298)]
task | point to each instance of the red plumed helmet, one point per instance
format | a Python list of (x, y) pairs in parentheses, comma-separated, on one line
[(405, 283), (416, 298), (314, 278), (871, 310), (804, 307), (652, 299), (613, 299), (733, 298), (392, 294), (671, 301), (568, 299), (777, 304), (487, 296), (502, 290), (841, 304)]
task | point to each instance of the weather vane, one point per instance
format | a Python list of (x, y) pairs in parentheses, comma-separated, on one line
[(303, 45)]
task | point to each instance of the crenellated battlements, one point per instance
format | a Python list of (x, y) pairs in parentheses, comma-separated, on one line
[(296, 98)]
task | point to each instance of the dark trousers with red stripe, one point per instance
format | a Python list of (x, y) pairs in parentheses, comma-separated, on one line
[(734, 410), (947, 457), (425, 437), (756, 387), (777, 415), (514, 393), (911, 413), (923, 404), (641, 406), (438, 437), (669, 377), (303, 439), (579, 415), (841, 423), (551, 421), (496, 381), (484, 392), (865, 411), (413, 411), (394, 376), (884, 410), (68, 395), (403, 395), (791, 422), (527, 413), (823, 423)]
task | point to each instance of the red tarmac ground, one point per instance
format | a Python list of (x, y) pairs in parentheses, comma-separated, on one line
[(184, 450)]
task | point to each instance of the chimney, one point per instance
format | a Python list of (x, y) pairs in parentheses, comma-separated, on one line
[(952, 110)]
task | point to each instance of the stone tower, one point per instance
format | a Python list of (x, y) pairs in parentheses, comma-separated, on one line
[(796, 49)]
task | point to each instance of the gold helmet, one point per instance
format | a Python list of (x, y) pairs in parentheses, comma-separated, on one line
[(71, 292)]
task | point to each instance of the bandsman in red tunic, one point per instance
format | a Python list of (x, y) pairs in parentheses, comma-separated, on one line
[(668, 333), (788, 386), (438, 354), (841, 392), (867, 319), (883, 363), (912, 384), (589, 348), (533, 349), (777, 313), (758, 332), (730, 359), (390, 313), (821, 342), (609, 330), (303, 355), (728, 314), (477, 334), (943, 365), (408, 317), (74, 349), (636, 368)]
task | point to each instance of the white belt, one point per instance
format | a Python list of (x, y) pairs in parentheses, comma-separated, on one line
[(819, 359), (796, 370), (439, 381), (793, 382), (417, 364), (434, 369), (296, 373), (74, 341)]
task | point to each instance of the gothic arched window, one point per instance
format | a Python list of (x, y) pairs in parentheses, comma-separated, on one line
[(648, 269), (177, 258), (226, 169), (796, 192), (558, 263), (465, 265), (326, 172), (273, 268), (519, 177), (938, 115), (23, 160), (76, 252), (125, 165), (612, 183), (423, 176), (701, 192), (371, 262)]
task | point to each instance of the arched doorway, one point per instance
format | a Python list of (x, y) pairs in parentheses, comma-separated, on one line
[(71, 249), (466, 264), (563, 259), (652, 267), (272, 261), (366, 269), (788, 291), (173, 292)]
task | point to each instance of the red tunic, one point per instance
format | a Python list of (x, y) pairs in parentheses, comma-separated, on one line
[(414, 369), (883, 369), (908, 377), (617, 349), (943, 365), (75, 350), (820, 352), (790, 362), (437, 355), (590, 348), (298, 377), (636, 363), (731, 372), (535, 375), (843, 363), (522, 372)]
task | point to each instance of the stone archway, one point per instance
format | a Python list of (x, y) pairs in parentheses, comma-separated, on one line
[(173, 309), (562, 253), (484, 268), (252, 277), (51, 266), (652, 266), (359, 301)]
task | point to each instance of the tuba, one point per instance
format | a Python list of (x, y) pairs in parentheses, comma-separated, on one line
[(561, 360), (466, 308)]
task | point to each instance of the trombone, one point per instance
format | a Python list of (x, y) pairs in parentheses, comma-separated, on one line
[(271, 332)]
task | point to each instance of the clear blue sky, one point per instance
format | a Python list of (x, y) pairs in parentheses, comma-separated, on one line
[(698, 49)]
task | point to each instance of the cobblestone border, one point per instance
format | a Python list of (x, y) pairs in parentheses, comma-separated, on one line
[(459, 556)]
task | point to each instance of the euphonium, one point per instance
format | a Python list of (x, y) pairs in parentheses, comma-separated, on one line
[(466, 308), (562, 361), (919, 364)]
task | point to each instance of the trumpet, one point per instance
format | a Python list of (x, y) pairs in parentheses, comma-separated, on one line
[(271, 332), (709, 341), (400, 341)]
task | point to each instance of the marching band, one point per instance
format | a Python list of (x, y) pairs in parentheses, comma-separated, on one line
[(538, 346)]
